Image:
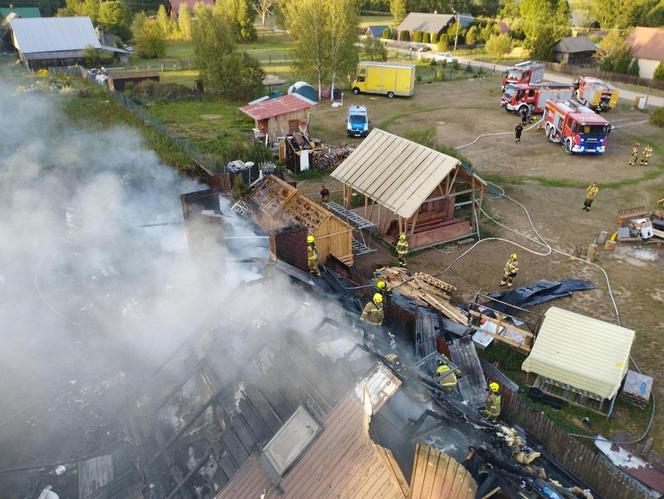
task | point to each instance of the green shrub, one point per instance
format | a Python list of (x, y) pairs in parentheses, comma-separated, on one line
[(395, 35), (442, 45), (404, 36), (387, 34), (633, 67), (657, 117), (417, 38), (499, 45), (455, 65), (659, 72), (426, 38), (471, 35), (418, 77), (434, 38)]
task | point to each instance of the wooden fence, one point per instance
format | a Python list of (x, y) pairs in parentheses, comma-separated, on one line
[(591, 467), (604, 75)]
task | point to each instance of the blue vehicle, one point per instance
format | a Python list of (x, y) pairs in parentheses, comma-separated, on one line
[(357, 124)]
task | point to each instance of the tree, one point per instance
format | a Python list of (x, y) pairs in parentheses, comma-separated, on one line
[(232, 75), (659, 72), (164, 22), (498, 45), (417, 37), (374, 50), (471, 35), (633, 69), (404, 35), (114, 18), (88, 8), (625, 13), (398, 9), (434, 37), (149, 39), (544, 22), (239, 17), (442, 44), (184, 21), (263, 8), (426, 38), (325, 37), (455, 34), (387, 34), (342, 22)]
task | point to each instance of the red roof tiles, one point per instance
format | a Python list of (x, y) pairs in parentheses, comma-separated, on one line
[(270, 108)]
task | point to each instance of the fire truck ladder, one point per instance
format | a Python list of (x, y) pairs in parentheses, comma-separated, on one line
[(359, 223)]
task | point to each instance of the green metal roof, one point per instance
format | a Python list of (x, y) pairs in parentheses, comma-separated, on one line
[(20, 11)]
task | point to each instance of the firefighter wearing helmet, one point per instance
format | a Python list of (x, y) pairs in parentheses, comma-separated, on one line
[(492, 405), (373, 311), (383, 289), (510, 271), (635, 154), (402, 249), (312, 255), (447, 378)]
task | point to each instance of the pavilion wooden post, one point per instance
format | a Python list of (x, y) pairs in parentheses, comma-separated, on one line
[(472, 203), (412, 227), (366, 204)]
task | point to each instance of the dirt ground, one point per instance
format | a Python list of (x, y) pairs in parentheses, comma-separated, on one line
[(550, 184)]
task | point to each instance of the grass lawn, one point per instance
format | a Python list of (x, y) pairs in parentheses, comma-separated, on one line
[(375, 20), (213, 125)]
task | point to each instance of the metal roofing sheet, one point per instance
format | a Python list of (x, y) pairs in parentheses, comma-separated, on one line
[(276, 107), (20, 11), (50, 34), (574, 44), (586, 353), (395, 172)]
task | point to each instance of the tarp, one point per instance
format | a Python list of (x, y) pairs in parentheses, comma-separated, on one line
[(535, 293)]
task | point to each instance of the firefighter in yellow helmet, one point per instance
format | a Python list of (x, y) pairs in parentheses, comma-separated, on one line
[(449, 378), (591, 192), (402, 249), (383, 289), (647, 154), (510, 270), (492, 405), (635, 154), (373, 311), (312, 256)]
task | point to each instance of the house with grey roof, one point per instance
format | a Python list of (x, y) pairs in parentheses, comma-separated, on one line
[(576, 50), (55, 41), (432, 23), (375, 31)]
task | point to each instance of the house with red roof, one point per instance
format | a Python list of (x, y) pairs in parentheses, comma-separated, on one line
[(281, 116)]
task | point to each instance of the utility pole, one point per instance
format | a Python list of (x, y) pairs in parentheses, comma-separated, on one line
[(456, 37)]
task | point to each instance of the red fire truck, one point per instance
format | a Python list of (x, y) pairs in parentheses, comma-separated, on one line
[(577, 128), (524, 72), (521, 97), (596, 94)]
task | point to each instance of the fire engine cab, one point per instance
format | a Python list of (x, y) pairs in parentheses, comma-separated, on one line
[(520, 97), (524, 72), (577, 128), (596, 94)]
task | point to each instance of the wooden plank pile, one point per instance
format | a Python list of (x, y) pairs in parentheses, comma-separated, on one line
[(423, 289), (327, 158)]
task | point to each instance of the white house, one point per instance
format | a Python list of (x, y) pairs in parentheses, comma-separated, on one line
[(647, 45)]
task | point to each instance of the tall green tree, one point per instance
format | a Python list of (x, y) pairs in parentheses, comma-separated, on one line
[(239, 16), (184, 21), (88, 8), (544, 22), (114, 18), (325, 33), (625, 13), (232, 75), (149, 41), (165, 22), (399, 10)]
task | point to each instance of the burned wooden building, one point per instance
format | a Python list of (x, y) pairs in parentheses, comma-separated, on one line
[(407, 187), (276, 205)]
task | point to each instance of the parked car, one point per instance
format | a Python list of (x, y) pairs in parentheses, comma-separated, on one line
[(444, 57), (423, 48)]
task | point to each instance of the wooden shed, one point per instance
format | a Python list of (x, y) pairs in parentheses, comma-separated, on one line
[(277, 204), (118, 81), (410, 188), (279, 117)]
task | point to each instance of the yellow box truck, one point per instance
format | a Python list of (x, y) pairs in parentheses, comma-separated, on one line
[(385, 79)]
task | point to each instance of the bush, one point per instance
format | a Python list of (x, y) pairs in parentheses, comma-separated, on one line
[(417, 38), (404, 36), (374, 50), (395, 35), (148, 37), (633, 68), (659, 72), (434, 38), (418, 77), (471, 35), (441, 46), (387, 34), (455, 65), (426, 38), (498, 45), (657, 117)]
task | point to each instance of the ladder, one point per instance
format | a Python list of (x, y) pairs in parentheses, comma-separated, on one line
[(359, 244), (240, 207)]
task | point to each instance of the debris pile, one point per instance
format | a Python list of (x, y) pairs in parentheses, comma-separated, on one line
[(327, 157)]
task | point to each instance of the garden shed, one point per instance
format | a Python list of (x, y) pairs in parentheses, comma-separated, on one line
[(579, 359), (281, 116), (276, 204), (407, 187), (575, 50)]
